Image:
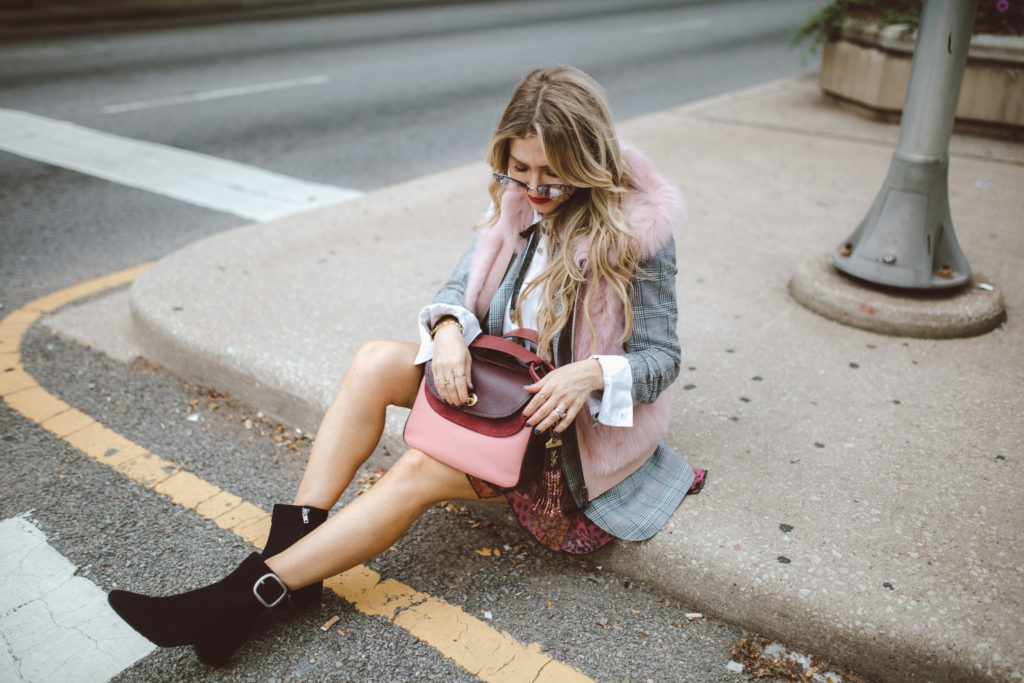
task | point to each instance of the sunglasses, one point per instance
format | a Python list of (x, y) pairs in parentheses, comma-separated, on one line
[(547, 190)]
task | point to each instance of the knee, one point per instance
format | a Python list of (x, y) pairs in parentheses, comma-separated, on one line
[(413, 466), (373, 356), (384, 371), (422, 478)]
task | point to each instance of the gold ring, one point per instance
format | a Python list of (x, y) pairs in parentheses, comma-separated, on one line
[(447, 381)]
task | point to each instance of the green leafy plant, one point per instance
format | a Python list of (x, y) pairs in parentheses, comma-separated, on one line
[(1001, 17)]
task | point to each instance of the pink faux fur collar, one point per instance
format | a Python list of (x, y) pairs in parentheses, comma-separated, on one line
[(653, 206)]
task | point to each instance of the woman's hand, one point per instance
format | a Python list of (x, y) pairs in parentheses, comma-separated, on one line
[(451, 364), (561, 394)]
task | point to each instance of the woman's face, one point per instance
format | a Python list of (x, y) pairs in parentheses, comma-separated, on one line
[(527, 164)]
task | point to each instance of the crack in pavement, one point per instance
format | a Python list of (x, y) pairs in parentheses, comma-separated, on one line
[(54, 666), (540, 672), (10, 652)]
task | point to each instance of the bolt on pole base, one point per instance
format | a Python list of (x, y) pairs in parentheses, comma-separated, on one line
[(907, 238)]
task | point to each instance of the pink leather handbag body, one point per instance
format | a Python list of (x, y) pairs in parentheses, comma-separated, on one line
[(488, 437)]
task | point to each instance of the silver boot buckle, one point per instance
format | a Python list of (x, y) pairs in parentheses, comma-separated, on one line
[(280, 583)]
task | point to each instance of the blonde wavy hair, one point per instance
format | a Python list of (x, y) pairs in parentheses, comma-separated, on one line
[(569, 114)]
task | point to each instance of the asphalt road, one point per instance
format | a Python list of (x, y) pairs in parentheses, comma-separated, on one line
[(394, 95), (383, 97)]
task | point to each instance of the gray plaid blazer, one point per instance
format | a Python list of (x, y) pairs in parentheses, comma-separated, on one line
[(638, 506)]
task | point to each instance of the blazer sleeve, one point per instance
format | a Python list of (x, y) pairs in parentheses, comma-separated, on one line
[(653, 349), (453, 292)]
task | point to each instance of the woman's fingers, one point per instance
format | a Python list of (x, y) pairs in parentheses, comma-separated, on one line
[(560, 395), (565, 417), (452, 384), (558, 415), (554, 405), (537, 388), (460, 387), (466, 383), (451, 365)]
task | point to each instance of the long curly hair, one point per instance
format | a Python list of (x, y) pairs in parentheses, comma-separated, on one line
[(569, 114)]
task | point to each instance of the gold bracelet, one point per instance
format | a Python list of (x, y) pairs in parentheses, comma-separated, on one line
[(445, 321)]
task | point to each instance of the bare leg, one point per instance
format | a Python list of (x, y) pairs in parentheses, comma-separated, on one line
[(371, 523), (381, 374)]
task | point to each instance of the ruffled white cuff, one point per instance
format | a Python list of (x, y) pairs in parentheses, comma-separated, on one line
[(614, 405)]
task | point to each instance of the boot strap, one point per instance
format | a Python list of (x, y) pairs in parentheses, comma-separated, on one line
[(280, 585)]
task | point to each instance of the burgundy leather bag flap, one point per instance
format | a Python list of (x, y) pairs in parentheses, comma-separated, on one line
[(489, 438), (499, 370)]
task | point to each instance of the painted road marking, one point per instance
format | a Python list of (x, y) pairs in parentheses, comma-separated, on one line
[(52, 622), (471, 643), (218, 94), (673, 28), (200, 179)]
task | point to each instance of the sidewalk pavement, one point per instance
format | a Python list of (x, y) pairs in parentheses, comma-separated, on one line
[(864, 500)]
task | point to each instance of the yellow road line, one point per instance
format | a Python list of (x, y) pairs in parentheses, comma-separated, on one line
[(468, 641)]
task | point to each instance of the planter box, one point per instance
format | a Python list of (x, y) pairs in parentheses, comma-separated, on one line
[(870, 67)]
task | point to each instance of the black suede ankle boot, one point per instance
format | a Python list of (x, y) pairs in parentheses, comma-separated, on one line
[(216, 619), (288, 524)]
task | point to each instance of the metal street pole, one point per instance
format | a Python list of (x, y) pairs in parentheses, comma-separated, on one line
[(907, 238)]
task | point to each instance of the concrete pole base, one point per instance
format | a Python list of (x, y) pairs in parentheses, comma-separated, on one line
[(935, 314)]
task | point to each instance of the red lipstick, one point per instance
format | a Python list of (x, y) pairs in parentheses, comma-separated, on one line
[(539, 200)]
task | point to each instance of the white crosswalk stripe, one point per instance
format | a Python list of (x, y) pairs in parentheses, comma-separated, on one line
[(198, 179), (56, 626), (219, 94)]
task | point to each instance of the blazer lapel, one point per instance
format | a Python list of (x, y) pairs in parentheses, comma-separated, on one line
[(500, 300)]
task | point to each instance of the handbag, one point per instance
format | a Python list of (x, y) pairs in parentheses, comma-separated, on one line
[(488, 437)]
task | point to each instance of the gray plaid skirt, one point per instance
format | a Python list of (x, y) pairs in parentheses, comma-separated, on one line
[(639, 505)]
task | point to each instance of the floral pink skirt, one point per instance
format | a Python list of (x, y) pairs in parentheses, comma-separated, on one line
[(544, 506)]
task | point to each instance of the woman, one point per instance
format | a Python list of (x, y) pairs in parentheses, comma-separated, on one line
[(577, 245)]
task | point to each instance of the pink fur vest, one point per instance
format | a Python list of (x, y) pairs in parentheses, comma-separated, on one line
[(653, 207)]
